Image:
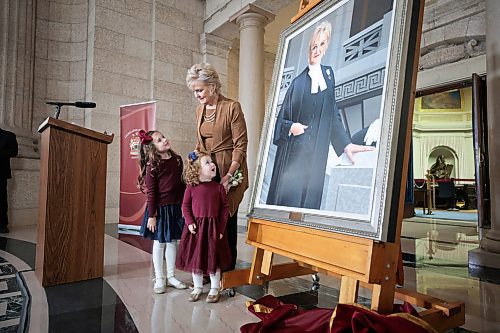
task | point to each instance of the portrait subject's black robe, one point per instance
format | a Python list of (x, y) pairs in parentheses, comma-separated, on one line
[(300, 165)]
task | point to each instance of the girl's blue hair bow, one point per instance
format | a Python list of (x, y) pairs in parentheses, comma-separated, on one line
[(192, 156)]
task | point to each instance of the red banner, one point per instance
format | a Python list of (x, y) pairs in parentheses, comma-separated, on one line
[(133, 118)]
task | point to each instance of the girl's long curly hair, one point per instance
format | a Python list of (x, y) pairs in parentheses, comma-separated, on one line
[(192, 169), (149, 156)]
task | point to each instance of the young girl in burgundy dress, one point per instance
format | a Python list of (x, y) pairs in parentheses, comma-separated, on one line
[(204, 249), (161, 177)]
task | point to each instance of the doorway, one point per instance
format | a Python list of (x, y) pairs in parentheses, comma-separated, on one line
[(443, 154)]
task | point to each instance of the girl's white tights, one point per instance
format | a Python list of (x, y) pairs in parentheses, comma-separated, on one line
[(214, 283), (162, 251), (197, 283), (158, 255)]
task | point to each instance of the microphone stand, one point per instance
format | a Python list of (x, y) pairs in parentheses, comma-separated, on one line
[(58, 111), (58, 106)]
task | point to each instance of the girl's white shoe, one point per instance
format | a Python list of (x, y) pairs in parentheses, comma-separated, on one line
[(159, 287), (213, 295), (195, 295), (173, 282)]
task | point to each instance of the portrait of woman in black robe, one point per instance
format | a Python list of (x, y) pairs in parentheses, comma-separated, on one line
[(308, 122)]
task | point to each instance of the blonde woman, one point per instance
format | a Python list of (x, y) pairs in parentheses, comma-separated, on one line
[(221, 133)]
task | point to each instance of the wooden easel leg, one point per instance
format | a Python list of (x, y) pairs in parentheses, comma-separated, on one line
[(267, 263), (255, 272), (349, 288), (383, 296), (383, 292), (400, 274)]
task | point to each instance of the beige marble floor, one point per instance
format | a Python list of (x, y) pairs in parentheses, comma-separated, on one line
[(129, 272)]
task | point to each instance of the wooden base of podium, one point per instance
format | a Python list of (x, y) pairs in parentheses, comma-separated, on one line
[(70, 240)]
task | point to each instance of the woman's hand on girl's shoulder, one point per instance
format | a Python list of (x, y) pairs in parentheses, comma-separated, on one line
[(192, 228), (220, 236)]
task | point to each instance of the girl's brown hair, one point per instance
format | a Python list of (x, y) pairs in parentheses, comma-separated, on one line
[(192, 168), (149, 156)]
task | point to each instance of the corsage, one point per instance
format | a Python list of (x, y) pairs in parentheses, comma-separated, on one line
[(236, 179)]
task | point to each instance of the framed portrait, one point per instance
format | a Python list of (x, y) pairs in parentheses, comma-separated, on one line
[(334, 121)]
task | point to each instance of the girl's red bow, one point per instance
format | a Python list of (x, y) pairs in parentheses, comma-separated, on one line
[(144, 137)]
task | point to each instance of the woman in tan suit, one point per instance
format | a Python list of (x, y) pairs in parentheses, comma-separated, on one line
[(222, 133)]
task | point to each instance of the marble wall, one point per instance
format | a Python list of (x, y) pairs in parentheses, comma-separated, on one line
[(453, 42), (140, 52), (112, 52)]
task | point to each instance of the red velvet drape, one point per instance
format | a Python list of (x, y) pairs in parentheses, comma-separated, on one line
[(278, 317)]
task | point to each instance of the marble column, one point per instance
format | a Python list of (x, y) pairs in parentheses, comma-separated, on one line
[(489, 253), (17, 55), (491, 241), (251, 21), (17, 72)]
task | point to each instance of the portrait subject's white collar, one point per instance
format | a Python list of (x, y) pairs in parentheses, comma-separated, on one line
[(318, 82)]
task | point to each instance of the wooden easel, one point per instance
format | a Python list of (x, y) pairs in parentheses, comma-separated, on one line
[(356, 261)]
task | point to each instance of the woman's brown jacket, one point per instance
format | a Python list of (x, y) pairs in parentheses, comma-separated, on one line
[(229, 144)]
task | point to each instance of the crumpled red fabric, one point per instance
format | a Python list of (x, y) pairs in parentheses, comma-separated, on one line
[(286, 318), (278, 317), (357, 319)]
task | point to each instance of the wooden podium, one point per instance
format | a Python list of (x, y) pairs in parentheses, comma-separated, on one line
[(70, 241)]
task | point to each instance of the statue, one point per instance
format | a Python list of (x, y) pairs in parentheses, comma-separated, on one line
[(440, 169)]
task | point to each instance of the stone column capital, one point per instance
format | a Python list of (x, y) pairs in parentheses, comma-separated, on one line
[(252, 16)]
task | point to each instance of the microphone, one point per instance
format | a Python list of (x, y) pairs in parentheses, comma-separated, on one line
[(85, 105)]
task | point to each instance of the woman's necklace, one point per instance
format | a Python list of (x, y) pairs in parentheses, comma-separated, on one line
[(210, 118)]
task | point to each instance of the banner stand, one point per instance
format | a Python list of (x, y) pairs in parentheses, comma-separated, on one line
[(133, 118)]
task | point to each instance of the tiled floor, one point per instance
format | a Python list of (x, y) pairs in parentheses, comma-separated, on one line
[(435, 255)]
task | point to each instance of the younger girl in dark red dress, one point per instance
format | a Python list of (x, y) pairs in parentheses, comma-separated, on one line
[(204, 249), (161, 177)]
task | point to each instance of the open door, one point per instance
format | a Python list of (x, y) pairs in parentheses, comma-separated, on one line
[(480, 130)]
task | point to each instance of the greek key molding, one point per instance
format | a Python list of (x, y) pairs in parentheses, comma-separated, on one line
[(360, 85)]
